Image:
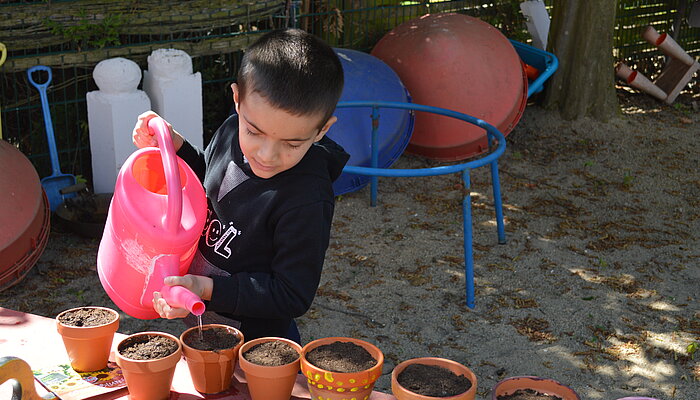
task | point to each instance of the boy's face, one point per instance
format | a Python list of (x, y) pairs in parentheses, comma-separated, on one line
[(273, 140)]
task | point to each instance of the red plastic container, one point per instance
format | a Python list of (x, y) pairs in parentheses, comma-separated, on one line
[(460, 63), (24, 216)]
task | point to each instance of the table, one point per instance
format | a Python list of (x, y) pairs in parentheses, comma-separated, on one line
[(35, 339)]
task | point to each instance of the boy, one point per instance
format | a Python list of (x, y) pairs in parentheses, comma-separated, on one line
[(267, 172)]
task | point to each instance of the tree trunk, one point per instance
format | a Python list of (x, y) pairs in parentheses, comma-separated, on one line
[(582, 39)]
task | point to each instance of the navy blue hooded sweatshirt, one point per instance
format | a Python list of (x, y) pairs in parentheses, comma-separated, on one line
[(265, 240)]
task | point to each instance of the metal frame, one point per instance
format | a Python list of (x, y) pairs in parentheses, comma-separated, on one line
[(494, 136)]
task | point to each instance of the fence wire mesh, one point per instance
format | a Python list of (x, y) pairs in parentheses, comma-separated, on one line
[(72, 36)]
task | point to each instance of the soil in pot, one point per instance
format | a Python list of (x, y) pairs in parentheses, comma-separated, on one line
[(271, 354), (87, 334), (212, 339), (147, 347), (433, 381), (528, 394), (341, 357), (84, 317)]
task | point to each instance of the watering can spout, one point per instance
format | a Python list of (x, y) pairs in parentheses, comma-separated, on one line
[(180, 296)]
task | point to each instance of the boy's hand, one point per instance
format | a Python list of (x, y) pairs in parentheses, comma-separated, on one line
[(200, 285), (143, 136)]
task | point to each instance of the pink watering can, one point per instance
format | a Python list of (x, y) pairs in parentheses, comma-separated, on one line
[(154, 222)]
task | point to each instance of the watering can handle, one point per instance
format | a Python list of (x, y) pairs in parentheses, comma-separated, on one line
[(173, 214)]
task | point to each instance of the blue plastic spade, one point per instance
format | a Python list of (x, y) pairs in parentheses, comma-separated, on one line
[(54, 183)]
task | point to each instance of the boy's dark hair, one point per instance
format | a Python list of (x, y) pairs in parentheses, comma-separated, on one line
[(294, 71)]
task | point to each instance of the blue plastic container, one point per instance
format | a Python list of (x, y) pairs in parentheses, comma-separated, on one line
[(369, 78), (546, 62)]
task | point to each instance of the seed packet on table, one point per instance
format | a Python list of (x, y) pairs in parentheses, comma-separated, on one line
[(68, 384)]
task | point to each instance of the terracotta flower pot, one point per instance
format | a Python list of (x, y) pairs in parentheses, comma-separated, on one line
[(341, 385), (88, 347), (401, 393), (211, 370), (148, 379), (637, 398), (542, 385), (269, 382)]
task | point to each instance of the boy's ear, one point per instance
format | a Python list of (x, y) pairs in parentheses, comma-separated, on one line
[(332, 120), (234, 87)]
